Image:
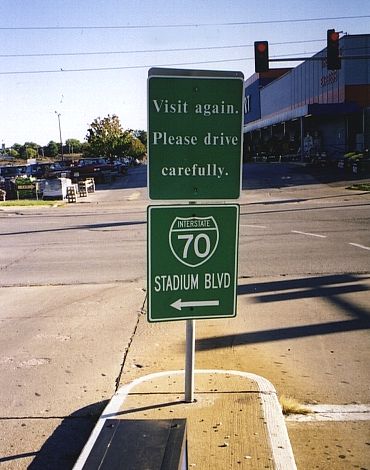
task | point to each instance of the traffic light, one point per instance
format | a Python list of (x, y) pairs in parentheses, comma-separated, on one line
[(261, 56), (332, 50)]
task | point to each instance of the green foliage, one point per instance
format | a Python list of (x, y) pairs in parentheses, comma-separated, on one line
[(17, 147), (31, 145), (137, 148), (31, 152), (106, 138), (27, 150), (73, 145), (23, 181), (360, 187), (13, 153), (31, 202), (142, 136), (353, 156), (52, 149)]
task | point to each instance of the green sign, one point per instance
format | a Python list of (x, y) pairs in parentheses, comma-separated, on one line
[(194, 134), (192, 261)]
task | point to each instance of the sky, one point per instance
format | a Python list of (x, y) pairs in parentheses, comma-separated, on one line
[(87, 59)]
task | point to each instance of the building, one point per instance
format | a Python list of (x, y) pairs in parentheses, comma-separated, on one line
[(310, 110)]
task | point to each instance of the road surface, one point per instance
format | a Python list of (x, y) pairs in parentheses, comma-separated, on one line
[(72, 293)]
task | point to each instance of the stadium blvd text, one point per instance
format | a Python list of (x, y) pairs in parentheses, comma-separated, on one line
[(186, 282)]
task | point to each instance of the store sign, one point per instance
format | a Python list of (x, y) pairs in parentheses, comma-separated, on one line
[(329, 79)]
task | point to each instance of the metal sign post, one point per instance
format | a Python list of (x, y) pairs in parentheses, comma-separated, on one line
[(192, 268), (189, 361)]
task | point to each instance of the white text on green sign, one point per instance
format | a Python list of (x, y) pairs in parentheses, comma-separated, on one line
[(192, 261), (195, 135)]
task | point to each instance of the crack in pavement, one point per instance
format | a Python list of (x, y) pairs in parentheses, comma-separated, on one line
[(141, 313)]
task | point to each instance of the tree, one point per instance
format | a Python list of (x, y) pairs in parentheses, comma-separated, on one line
[(52, 149), (137, 148), (15, 150), (31, 152), (28, 150), (73, 146), (13, 153), (17, 147), (142, 136), (106, 137)]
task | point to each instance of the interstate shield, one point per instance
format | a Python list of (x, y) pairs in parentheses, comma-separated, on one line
[(193, 240)]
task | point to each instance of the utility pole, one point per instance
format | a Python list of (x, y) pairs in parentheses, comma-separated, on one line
[(60, 135)]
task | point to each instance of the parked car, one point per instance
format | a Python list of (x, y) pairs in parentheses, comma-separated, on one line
[(38, 170), (120, 167), (60, 169), (8, 172), (97, 168)]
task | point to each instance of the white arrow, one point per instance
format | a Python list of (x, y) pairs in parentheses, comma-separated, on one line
[(179, 304)]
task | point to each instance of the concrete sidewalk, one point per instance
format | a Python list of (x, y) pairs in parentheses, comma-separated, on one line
[(235, 420)]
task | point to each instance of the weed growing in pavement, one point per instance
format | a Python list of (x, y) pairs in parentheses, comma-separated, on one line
[(291, 406), (360, 187)]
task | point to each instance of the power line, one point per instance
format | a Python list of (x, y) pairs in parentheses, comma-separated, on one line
[(63, 54), (127, 67), (189, 25)]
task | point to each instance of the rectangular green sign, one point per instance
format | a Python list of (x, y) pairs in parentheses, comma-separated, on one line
[(195, 134), (192, 261)]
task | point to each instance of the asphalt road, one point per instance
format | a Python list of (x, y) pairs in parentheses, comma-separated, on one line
[(73, 290), (300, 226)]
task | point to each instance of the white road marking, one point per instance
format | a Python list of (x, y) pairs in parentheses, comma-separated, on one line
[(309, 234), (360, 246), (334, 413), (276, 429)]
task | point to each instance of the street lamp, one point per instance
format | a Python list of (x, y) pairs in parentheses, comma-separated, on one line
[(60, 135)]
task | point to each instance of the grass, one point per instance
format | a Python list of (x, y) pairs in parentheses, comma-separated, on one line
[(360, 187), (29, 203), (290, 406)]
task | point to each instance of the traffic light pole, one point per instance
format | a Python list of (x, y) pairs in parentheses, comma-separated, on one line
[(295, 59), (333, 58)]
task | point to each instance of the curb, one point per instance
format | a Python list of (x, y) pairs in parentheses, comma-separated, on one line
[(276, 429)]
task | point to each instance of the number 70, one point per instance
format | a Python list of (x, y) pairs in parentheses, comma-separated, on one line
[(195, 241)]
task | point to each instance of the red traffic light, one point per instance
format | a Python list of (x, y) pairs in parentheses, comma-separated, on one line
[(261, 56), (332, 50), (261, 47), (334, 36)]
